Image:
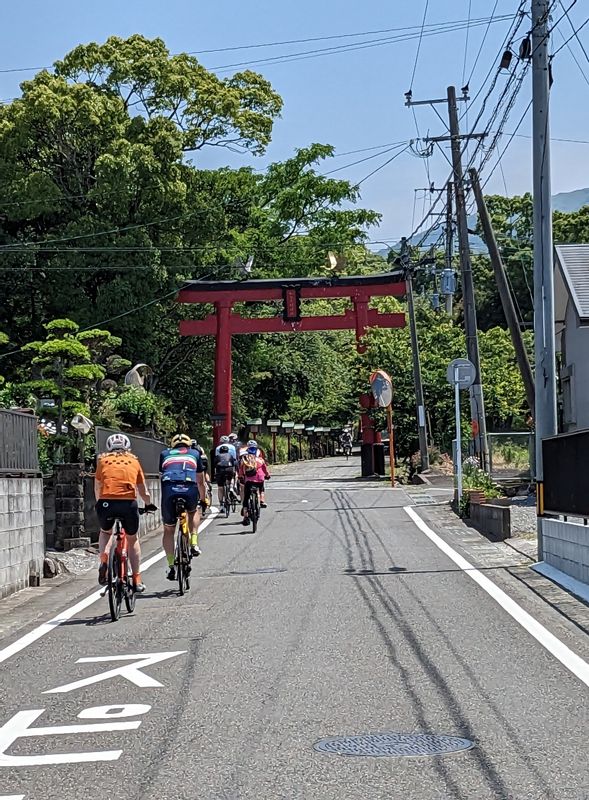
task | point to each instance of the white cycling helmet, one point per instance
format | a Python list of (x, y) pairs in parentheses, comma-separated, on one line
[(118, 441), (224, 439), (232, 437), (252, 443)]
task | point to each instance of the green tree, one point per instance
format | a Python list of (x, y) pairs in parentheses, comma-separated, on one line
[(440, 342), (65, 368)]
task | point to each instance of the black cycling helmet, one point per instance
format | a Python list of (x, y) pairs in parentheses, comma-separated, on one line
[(223, 449)]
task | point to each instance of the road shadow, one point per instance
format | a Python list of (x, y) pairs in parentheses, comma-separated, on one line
[(358, 573), (90, 622), (158, 595)]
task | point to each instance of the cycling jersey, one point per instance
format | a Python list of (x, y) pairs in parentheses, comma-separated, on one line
[(231, 447), (225, 461), (119, 473), (180, 465), (258, 473)]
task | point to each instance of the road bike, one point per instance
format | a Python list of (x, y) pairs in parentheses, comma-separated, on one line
[(182, 556), (229, 496), (119, 585), (253, 507)]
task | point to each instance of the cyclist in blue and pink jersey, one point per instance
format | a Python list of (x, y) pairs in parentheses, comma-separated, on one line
[(182, 474)]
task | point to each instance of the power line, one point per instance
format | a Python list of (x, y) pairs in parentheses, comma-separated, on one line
[(523, 116), (317, 38), (31, 245), (304, 55), (382, 166), (272, 44), (367, 158), (575, 32), (466, 40), (575, 59), (130, 311), (476, 61), (419, 44)]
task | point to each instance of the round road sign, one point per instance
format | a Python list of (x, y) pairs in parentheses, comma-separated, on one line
[(461, 371)]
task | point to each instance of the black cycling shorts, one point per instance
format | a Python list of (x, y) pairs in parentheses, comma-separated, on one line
[(221, 475), (248, 490), (125, 510), (172, 491)]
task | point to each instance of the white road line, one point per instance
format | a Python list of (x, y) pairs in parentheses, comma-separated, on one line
[(553, 644), (328, 488), (68, 613)]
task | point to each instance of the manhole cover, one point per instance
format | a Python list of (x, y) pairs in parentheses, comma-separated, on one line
[(378, 745), (258, 571)]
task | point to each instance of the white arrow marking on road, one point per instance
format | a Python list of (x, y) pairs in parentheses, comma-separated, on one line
[(19, 728), (131, 672), (55, 622)]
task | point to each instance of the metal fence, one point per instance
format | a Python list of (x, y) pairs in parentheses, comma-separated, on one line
[(511, 456), (147, 450), (18, 442), (566, 478)]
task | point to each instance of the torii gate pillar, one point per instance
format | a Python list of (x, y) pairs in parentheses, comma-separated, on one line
[(221, 416)]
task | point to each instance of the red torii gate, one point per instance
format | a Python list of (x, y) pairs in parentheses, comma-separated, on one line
[(225, 323)]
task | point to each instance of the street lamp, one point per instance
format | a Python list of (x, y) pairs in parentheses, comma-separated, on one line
[(274, 425), (288, 427)]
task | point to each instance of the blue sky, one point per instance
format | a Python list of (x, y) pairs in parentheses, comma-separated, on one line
[(353, 99)]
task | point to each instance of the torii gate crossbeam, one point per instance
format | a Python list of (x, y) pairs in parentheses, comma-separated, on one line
[(224, 323)]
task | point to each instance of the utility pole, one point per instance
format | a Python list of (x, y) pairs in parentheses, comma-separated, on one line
[(477, 404), (504, 293), (545, 416), (419, 401), (449, 243)]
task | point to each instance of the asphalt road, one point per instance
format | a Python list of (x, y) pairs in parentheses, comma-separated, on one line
[(363, 626)]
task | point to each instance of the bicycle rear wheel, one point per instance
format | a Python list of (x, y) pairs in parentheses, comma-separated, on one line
[(115, 586), (252, 512), (182, 561), (129, 595)]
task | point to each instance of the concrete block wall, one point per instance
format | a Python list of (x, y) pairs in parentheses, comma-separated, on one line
[(566, 547), (22, 536), (493, 521)]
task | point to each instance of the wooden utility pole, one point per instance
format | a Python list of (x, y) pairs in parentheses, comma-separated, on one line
[(504, 293)]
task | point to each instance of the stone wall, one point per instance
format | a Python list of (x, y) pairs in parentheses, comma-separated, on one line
[(22, 539), (566, 547), (49, 511), (69, 503)]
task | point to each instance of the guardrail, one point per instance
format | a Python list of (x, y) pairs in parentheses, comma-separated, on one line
[(511, 455), (18, 442)]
